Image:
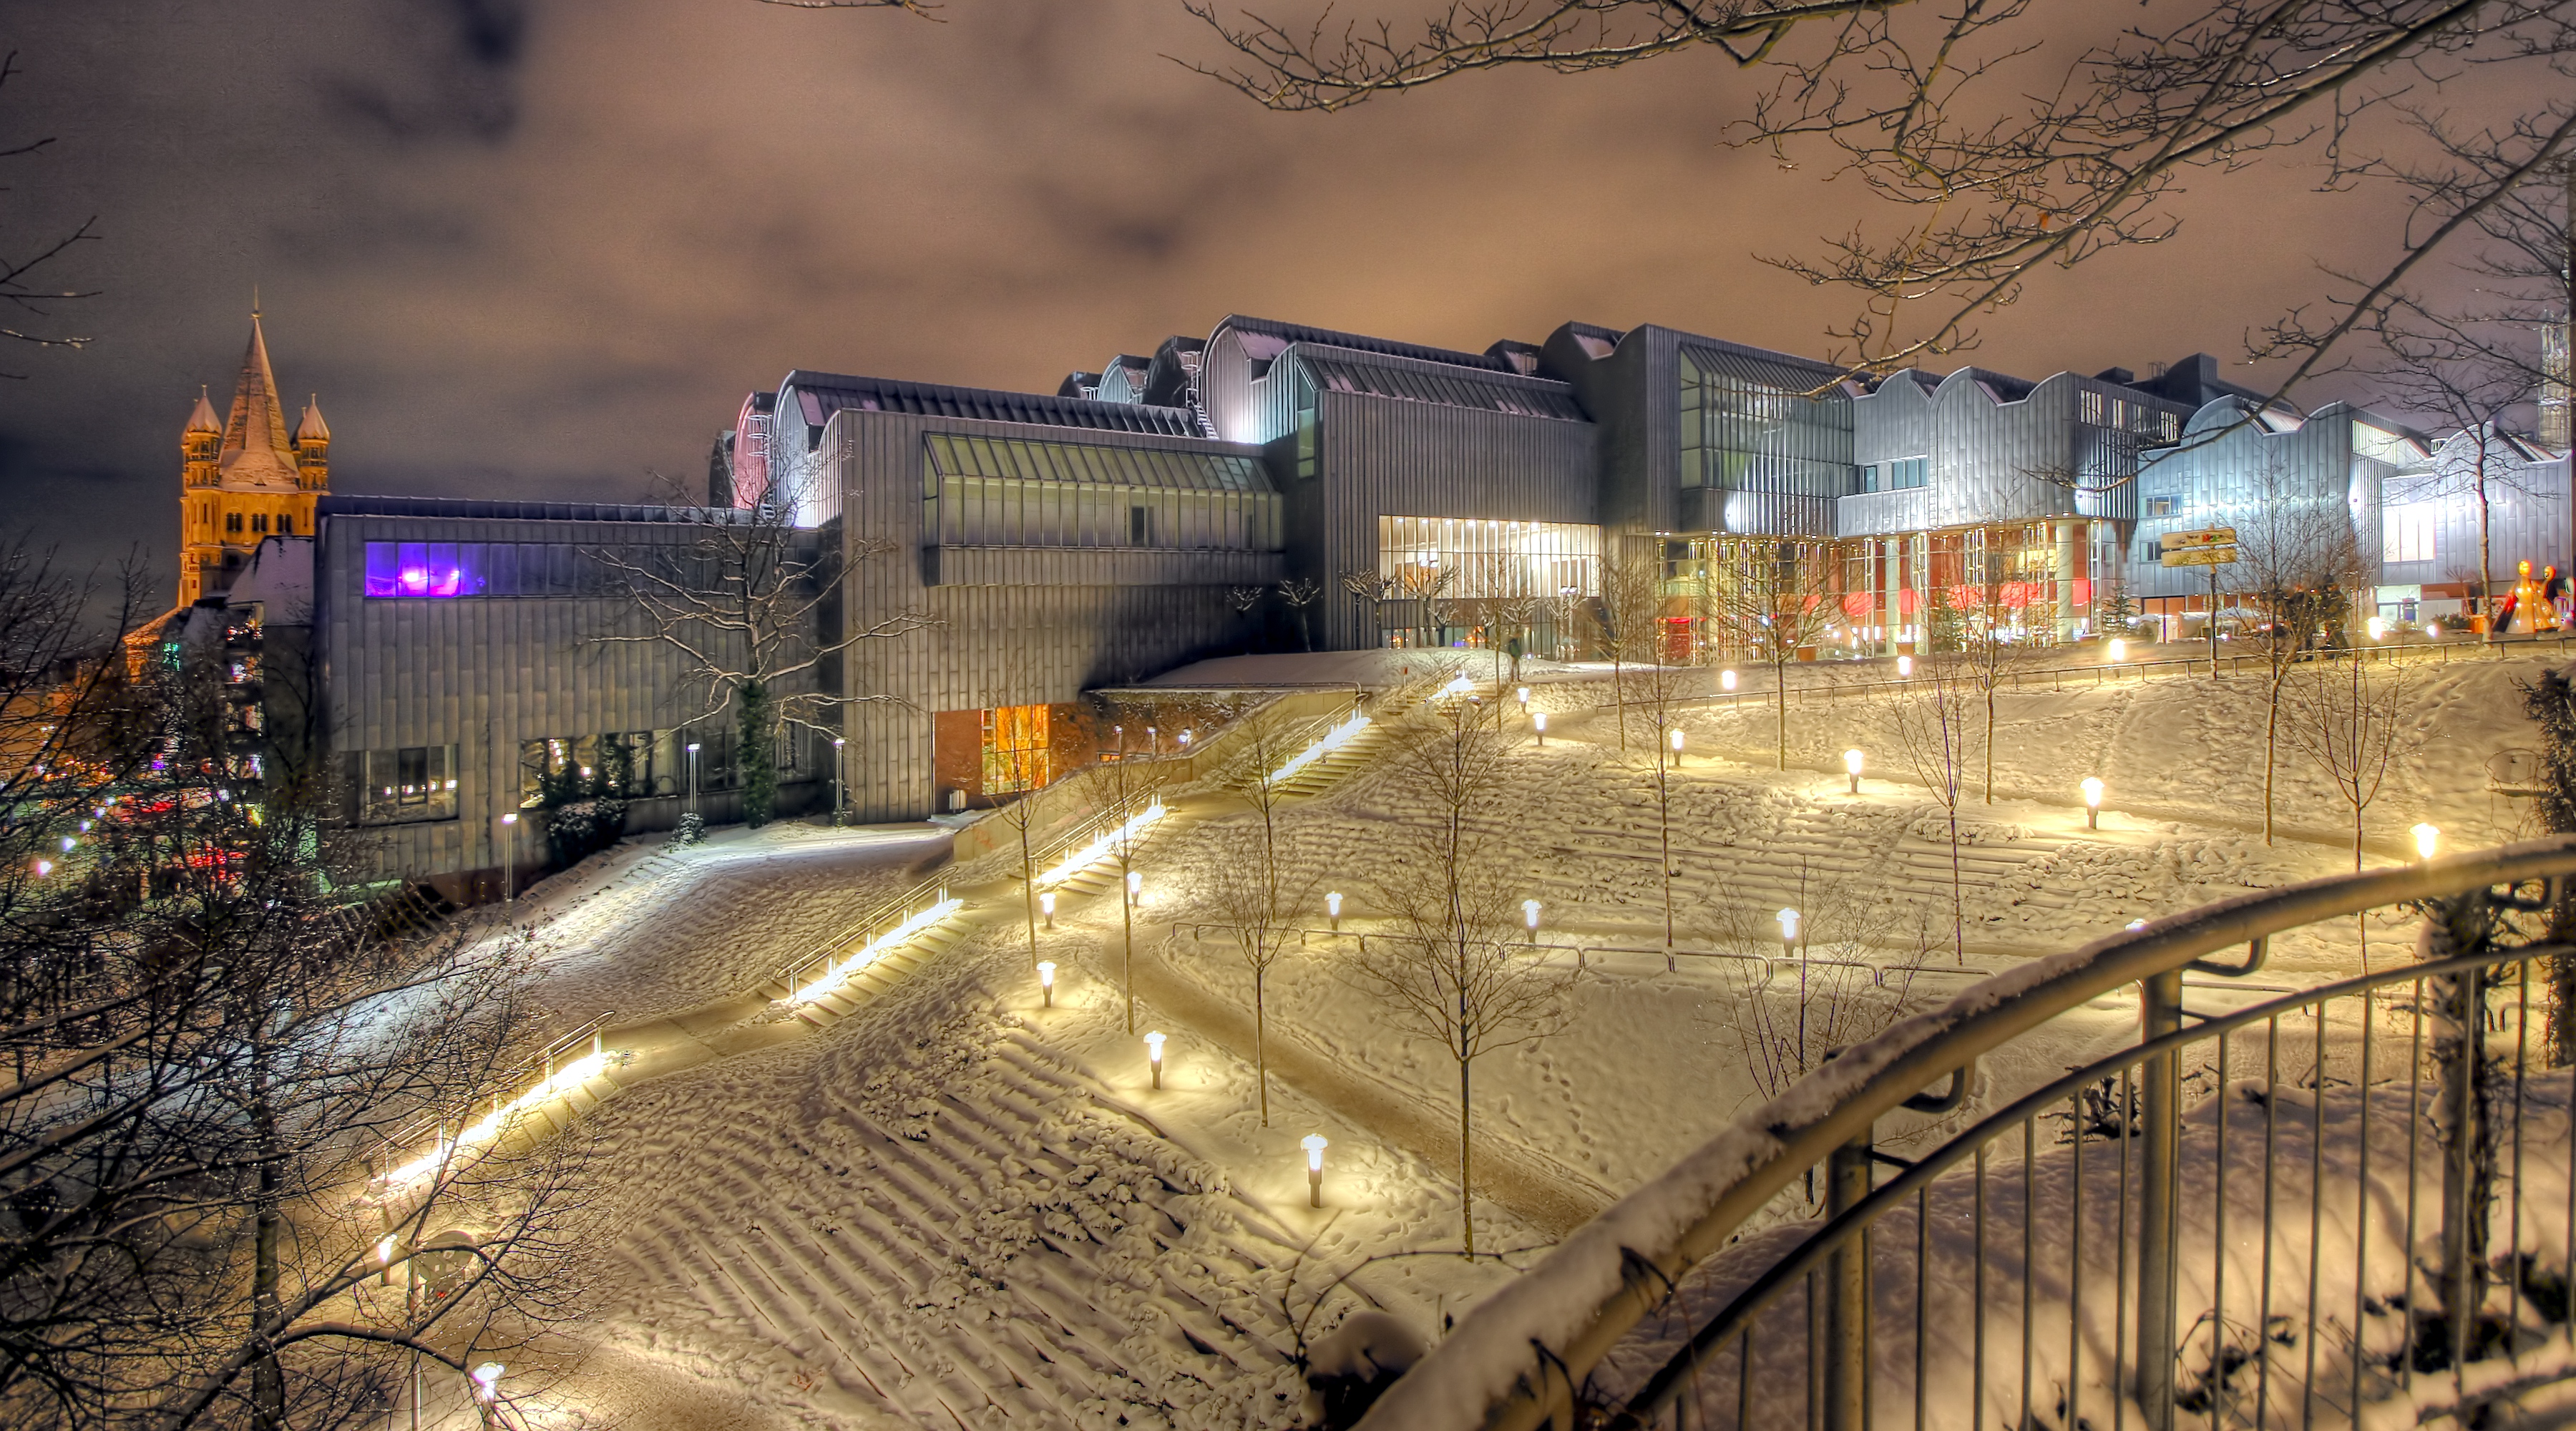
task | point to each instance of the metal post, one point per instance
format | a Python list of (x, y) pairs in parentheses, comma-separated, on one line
[(2160, 1099), (1847, 1295)]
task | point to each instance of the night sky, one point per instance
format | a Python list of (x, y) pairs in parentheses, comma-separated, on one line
[(540, 248)]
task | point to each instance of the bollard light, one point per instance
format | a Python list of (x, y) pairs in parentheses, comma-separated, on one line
[(2136, 924), (1789, 928), (1333, 909), (1529, 912), (2092, 802), (1185, 739), (2428, 839), (1314, 1145), (1046, 906), (385, 1261), (1136, 887), (44, 868), (1726, 681), (1538, 722), (1905, 668), (2378, 629), (1046, 981), (2119, 650), (1851, 767), (487, 1380), (2433, 629), (1524, 695), (1154, 1056), (1677, 745)]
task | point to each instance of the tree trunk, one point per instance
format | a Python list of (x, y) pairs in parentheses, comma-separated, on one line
[(1127, 923), (756, 753), (1466, 1188), (1780, 695), (2271, 744), (267, 1381), (1991, 674), (1261, 1042)]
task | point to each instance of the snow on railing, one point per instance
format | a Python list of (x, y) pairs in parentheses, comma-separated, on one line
[(1331, 741), (1098, 849), (1511, 1364), (835, 974), (554, 1082)]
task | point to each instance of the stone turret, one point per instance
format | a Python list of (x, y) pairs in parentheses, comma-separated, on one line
[(313, 448), (198, 442), (243, 480)]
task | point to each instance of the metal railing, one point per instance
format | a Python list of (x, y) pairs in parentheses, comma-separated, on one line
[(2338, 1204), (806, 968), (543, 1063)]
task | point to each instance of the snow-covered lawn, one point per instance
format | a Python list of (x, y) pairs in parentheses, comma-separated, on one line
[(956, 1209)]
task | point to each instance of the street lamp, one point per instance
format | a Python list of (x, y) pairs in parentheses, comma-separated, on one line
[(2092, 802), (1154, 739), (1154, 1056), (1524, 695), (1677, 745), (2119, 650), (840, 782), (1529, 913), (1314, 1145), (693, 777), (1905, 668), (1136, 888), (1726, 682), (1046, 906), (1538, 722), (487, 1381), (1851, 767), (1333, 909), (2428, 839), (2378, 629), (1789, 931), (510, 857)]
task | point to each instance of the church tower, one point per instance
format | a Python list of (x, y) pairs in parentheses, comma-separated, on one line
[(245, 479)]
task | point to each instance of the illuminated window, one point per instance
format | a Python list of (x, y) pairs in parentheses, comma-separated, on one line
[(1748, 427), (412, 782), (2406, 531), (1489, 559), (1018, 749)]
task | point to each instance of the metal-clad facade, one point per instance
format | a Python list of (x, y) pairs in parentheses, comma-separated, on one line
[(484, 674), (995, 644), (2231, 462), (2528, 515)]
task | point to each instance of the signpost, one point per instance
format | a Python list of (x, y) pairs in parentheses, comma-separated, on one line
[(2211, 547)]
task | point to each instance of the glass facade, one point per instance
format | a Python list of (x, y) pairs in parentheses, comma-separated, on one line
[(1018, 749), (1897, 476), (1489, 559), (447, 570), (1746, 427), (412, 782), (982, 491)]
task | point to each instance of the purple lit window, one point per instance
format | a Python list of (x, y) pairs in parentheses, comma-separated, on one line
[(432, 569)]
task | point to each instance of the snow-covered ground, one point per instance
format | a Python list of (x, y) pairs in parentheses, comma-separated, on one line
[(955, 1208)]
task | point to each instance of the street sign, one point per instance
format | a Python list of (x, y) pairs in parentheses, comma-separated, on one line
[(2210, 546)]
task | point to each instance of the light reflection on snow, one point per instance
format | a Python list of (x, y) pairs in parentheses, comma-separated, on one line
[(1092, 853), (489, 1130), (868, 952), (1333, 740)]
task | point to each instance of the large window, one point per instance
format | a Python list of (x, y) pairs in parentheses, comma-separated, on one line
[(467, 569), (412, 782), (2406, 531), (1747, 428), (980, 491), (1018, 749), (1489, 559), (1896, 476)]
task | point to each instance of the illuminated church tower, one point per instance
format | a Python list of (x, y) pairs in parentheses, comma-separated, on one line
[(245, 479)]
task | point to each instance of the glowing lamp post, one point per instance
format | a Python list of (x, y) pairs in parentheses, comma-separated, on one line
[(1677, 745), (1524, 698), (1154, 1056), (1333, 910), (1851, 766), (1789, 932), (44, 868), (2119, 650), (1314, 1145), (1154, 739), (487, 1381), (510, 857), (1046, 981), (693, 777), (1046, 906), (1905, 668), (1538, 723), (2428, 841), (2378, 629), (2092, 802), (1726, 682), (1136, 888), (1529, 914), (840, 785)]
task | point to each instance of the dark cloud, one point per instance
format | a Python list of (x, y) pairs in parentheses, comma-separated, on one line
[(542, 247)]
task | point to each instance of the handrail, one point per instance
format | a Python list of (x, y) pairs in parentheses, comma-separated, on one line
[(1575, 1305), (1652, 1399), (590, 1029), (892, 912)]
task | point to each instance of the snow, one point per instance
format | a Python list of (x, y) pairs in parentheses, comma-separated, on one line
[(958, 1208)]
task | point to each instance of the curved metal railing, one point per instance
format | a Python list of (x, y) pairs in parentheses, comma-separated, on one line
[(1637, 1320)]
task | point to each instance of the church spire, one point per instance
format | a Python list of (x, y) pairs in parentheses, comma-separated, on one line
[(258, 420)]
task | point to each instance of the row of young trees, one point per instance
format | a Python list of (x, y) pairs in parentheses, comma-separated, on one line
[(212, 1030)]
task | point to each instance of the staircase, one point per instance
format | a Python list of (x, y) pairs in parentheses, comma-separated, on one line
[(861, 986)]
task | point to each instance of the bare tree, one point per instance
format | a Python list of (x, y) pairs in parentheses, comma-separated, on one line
[(1297, 593), (1456, 972), (1990, 599), (1932, 720), (1631, 598), (754, 606), (1121, 789), (2348, 717), (1659, 689), (1771, 598), (1832, 999), (1259, 894), (22, 271), (1370, 592), (2012, 158), (2296, 558), (1515, 615)]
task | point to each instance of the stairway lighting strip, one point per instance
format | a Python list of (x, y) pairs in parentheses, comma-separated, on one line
[(1092, 853), (1333, 740), (869, 952), (483, 1134)]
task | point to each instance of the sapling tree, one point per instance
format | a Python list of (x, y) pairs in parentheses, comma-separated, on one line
[(1797, 1002), (1260, 889), (2296, 559), (1771, 598), (1120, 789), (1631, 598), (1933, 724), (1297, 593), (2349, 718), (1456, 970), (754, 606)]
